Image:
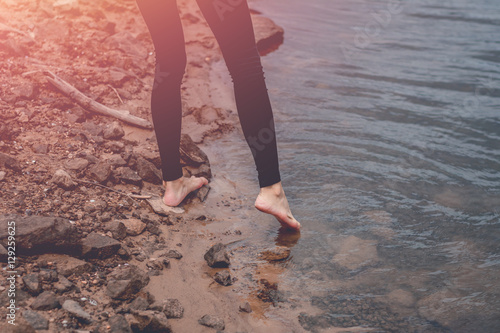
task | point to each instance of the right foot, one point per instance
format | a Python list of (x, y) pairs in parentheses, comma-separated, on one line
[(272, 200), (177, 190)]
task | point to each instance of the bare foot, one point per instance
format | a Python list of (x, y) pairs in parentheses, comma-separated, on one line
[(177, 190), (272, 200)]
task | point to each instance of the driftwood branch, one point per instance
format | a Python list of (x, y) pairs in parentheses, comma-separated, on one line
[(89, 104)]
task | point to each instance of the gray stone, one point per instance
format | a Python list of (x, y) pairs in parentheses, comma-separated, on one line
[(36, 320), (114, 131), (223, 278), (100, 172), (117, 228), (212, 321), (125, 281), (150, 321), (46, 301), (173, 308), (190, 152), (116, 160), (32, 283), (138, 304), (99, 246), (63, 284), (118, 324), (21, 326), (74, 309), (128, 176), (172, 254), (268, 35), (217, 256), (148, 171), (62, 179)]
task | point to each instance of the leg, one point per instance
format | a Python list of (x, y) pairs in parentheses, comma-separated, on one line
[(165, 28), (232, 26)]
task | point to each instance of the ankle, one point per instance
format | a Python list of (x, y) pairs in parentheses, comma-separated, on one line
[(275, 189)]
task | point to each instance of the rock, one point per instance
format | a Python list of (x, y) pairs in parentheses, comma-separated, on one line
[(134, 227), (223, 278), (32, 283), (47, 275), (24, 91), (276, 254), (46, 301), (67, 265), (36, 320), (149, 321), (212, 321), (147, 153), (217, 256), (22, 297), (74, 309), (155, 265), (191, 152), (128, 176), (116, 160), (148, 172), (63, 285), (39, 234), (268, 35), (125, 42), (118, 324), (171, 307), (99, 246), (41, 148), (62, 179), (125, 281), (92, 128), (2, 175), (203, 192), (7, 161), (77, 164), (160, 208), (100, 172), (246, 307), (114, 131), (117, 228), (4, 254), (172, 254), (138, 304)]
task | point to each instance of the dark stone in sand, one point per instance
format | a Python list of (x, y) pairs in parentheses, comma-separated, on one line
[(63, 284), (7, 161), (246, 307), (117, 228), (48, 275), (114, 146), (148, 171), (116, 160), (36, 320), (149, 321), (217, 256), (127, 175), (125, 281), (92, 128), (39, 234), (171, 307), (172, 254), (63, 179), (118, 324), (46, 301), (212, 321), (223, 278), (75, 310), (100, 172), (139, 304), (191, 153), (98, 246), (32, 283), (21, 326)]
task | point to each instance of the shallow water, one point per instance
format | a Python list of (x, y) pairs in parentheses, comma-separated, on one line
[(388, 124)]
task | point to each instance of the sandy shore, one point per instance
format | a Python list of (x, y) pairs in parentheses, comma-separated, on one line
[(103, 49)]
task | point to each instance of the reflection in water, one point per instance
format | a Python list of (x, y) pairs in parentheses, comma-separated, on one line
[(391, 161)]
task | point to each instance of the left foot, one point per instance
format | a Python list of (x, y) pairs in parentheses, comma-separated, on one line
[(177, 190), (272, 200)]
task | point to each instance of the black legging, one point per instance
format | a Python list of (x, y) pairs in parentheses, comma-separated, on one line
[(231, 24)]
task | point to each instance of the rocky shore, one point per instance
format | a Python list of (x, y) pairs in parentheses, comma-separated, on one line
[(95, 249)]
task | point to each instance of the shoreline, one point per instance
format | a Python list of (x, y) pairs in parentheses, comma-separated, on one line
[(43, 132)]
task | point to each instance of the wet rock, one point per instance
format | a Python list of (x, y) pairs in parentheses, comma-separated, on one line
[(114, 131), (125, 281), (139, 304), (277, 254), (46, 301), (39, 234), (191, 152), (212, 321), (217, 256), (148, 171), (172, 254), (223, 278), (118, 324), (41, 148), (62, 179), (203, 192), (100, 172), (36, 320), (149, 321), (117, 228), (268, 35), (171, 307), (246, 307), (99, 246), (63, 285), (134, 227), (161, 209), (7, 161), (128, 176), (32, 283), (77, 164), (75, 310)]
